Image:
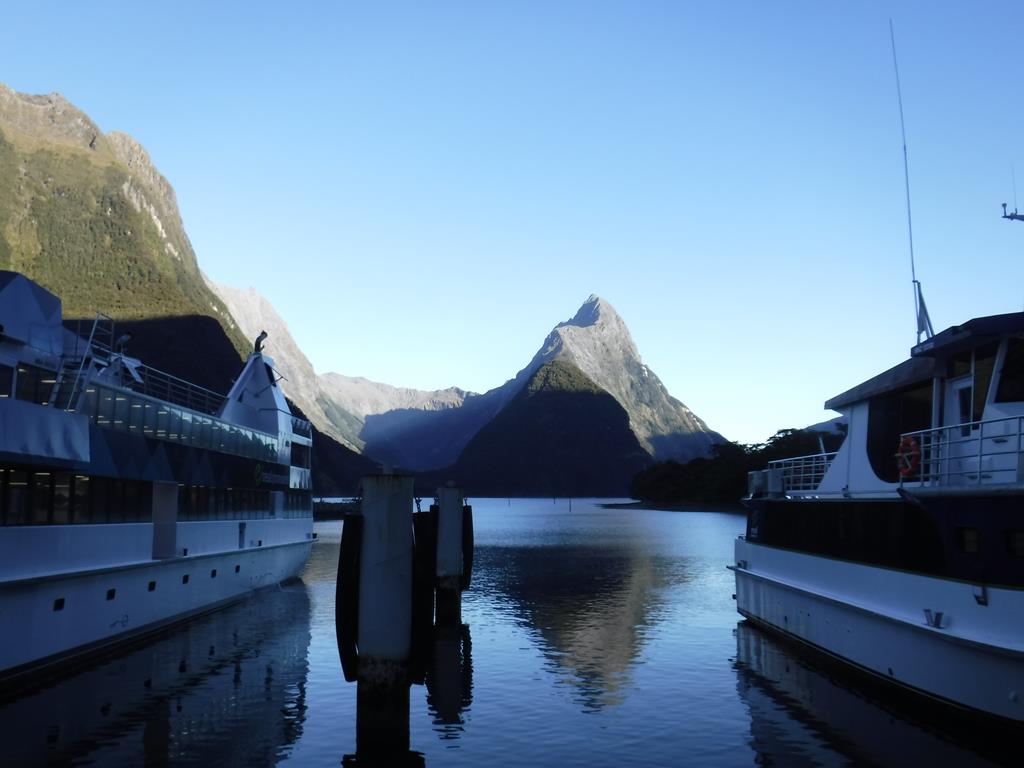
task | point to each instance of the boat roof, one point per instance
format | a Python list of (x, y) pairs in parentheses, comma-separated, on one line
[(925, 357), (970, 334), (912, 371)]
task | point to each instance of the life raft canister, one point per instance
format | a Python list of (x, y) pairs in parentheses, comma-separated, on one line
[(908, 457)]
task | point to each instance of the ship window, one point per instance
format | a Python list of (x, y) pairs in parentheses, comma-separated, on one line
[(42, 495), (131, 492), (984, 362), (152, 586), (6, 374), (1015, 543), (968, 540), (1011, 379), (34, 384), (100, 500), (184, 579), (87, 403), (58, 604), (890, 415), (61, 497), (300, 455), (148, 418), (81, 509), (213, 574), (16, 497), (111, 594), (122, 410), (105, 407), (238, 568), (963, 396)]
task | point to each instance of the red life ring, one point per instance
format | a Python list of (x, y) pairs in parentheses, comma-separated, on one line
[(908, 457)]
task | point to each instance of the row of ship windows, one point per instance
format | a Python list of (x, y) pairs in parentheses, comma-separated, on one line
[(59, 498), (118, 409), (60, 603)]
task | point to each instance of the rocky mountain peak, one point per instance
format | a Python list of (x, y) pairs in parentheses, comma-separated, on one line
[(48, 117), (597, 341), (593, 311)]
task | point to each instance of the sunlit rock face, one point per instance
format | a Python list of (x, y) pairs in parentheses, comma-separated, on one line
[(597, 341)]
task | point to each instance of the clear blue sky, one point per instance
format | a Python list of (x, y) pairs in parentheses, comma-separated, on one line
[(424, 189)]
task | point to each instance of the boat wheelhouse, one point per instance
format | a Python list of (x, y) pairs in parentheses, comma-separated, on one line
[(903, 552), (130, 498)]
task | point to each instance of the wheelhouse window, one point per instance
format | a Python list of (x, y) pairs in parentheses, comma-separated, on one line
[(890, 415), (984, 364), (1011, 379)]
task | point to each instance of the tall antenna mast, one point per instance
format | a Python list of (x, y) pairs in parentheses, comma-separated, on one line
[(924, 323)]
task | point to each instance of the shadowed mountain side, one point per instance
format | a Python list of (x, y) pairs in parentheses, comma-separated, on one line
[(560, 435), (191, 347), (417, 438), (591, 608)]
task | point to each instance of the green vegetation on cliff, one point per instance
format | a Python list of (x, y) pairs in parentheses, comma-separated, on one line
[(101, 235)]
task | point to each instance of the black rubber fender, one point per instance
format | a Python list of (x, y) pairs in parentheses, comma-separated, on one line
[(467, 546), (346, 596), (424, 567)]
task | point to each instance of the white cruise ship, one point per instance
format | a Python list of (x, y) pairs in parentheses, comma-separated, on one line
[(903, 553), (130, 498)]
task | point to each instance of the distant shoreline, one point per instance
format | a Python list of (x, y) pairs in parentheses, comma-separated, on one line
[(336, 510), (682, 506)]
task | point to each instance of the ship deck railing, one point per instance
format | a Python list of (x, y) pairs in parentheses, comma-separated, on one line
[(988, 453), (802, 473), (165, 386)]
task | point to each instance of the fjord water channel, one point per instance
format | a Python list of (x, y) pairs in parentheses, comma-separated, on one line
[(592, 636)]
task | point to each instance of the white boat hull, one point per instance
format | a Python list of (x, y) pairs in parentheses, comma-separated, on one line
[(50, 619), (875, 618)]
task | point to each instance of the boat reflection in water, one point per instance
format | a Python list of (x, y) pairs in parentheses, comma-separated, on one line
[(805, 710), (227, 688), (592, 608)]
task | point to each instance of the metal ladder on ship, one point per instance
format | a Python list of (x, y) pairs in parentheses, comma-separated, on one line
[(99, 347)]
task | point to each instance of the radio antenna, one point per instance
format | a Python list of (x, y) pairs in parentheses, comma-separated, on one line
[(924, 323), (1014, 215)]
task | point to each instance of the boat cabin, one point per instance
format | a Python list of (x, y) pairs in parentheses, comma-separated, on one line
[(950, 416)]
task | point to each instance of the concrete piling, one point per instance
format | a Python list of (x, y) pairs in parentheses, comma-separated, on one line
[(449, 556), (385, 616)]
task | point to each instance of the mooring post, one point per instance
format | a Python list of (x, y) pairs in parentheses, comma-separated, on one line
[(385, 616), (449, 556)]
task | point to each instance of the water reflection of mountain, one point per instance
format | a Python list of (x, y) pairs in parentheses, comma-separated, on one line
[(803, 713), (592, 608), (225, 689)]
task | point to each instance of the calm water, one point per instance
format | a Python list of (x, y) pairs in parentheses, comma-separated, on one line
[(594, 637)]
